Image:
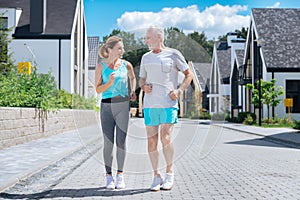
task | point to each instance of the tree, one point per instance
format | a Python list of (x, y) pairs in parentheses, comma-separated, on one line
[(222, 38), (190, 48), (242, 33), (129, 41), (269, 94), (201, 39), (6, 61), (134, 47)]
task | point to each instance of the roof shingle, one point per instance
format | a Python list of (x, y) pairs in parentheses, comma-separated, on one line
[(224, 59), (59, 17), (279, 29)]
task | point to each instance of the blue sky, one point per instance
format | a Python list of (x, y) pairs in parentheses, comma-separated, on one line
[(214, 17)]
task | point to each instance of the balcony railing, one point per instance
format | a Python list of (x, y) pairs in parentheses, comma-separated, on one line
[(243, 77)]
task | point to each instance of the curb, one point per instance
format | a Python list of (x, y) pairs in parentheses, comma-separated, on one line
[(286, 142), (38, 169)]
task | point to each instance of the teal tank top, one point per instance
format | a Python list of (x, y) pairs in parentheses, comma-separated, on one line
[(120, 86)]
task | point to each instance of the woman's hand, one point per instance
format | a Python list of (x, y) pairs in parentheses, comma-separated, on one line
[(132, 96), (112, 78)]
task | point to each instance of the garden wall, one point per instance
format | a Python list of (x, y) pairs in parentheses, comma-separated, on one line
[(21, 125)]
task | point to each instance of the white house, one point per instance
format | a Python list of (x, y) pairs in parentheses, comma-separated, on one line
[(202, 74), (222, 65), (272, 52), (94, 59), (52, 34)]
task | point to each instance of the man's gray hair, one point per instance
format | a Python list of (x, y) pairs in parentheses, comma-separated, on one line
[(157, 30)]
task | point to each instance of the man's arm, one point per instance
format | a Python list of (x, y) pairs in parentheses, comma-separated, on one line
[(188, 77)]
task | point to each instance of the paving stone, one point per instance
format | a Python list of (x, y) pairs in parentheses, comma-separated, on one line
[(231, 165)]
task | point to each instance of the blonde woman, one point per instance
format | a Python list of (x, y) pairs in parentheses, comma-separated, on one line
[(111, 80)]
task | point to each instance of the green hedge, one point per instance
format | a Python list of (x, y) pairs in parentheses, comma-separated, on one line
[(38, 91)]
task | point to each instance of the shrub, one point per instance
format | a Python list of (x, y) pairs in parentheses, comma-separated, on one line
[(204, 115), (38, 91), (284, 120), (296, 124), (219, 116), (233, 119), (63, 99), (22, 90), (248, 120), (243, 115)]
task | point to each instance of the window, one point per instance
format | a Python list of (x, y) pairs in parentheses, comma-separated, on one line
[(293, 91), (3, 23), (3, 42)]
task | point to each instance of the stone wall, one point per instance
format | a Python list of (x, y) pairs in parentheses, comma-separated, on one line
[(21, 125)]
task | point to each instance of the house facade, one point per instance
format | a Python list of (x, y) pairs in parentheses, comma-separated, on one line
[(93, 44), (50, 34), (271, 52), (222, 65), (202, 74)]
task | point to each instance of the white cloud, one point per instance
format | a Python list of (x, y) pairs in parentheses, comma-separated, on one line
[(276, 5), (214, 21)]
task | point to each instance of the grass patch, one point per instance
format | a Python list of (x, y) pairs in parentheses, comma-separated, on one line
[(265, 125)]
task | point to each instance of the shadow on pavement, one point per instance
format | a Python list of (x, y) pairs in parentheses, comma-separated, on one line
[(75, 193), (272, 141)]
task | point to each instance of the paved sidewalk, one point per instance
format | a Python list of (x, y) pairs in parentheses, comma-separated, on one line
[(21, 161), (287, 135), (24, 161)]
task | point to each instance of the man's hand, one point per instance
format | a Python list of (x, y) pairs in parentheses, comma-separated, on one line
[(147, 88), (175, 94)]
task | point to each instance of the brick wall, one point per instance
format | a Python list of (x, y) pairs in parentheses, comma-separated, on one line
[(21, 125)]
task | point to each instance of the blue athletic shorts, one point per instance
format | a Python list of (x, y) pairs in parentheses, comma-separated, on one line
[(157, 116)]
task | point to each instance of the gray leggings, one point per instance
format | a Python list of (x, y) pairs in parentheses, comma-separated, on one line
[(114, 116)]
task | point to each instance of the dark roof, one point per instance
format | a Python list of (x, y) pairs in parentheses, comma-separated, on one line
[(224, 59), (59, 18), (232, 33), (203, 71), (240, 56), (280, 31), (222, 45), (93, 45)]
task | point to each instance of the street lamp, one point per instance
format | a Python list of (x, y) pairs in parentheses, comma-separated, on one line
[(259, 43), (259, 84)]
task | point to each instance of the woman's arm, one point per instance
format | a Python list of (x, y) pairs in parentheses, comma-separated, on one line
[(98, 80), (132, 78)]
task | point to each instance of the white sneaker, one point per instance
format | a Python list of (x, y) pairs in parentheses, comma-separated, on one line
[(120, 181), (156, 184), (110, 182), (169, 180)]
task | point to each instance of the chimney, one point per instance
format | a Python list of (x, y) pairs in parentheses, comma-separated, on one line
[(231, 36), (37, 16)]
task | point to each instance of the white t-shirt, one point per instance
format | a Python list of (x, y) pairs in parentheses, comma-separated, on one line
[(161, 70)]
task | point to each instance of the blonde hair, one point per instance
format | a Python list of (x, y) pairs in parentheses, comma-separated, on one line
[(109, 44)]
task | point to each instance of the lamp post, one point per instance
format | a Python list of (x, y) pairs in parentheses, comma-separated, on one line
[(259, 42), (259, 83)]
